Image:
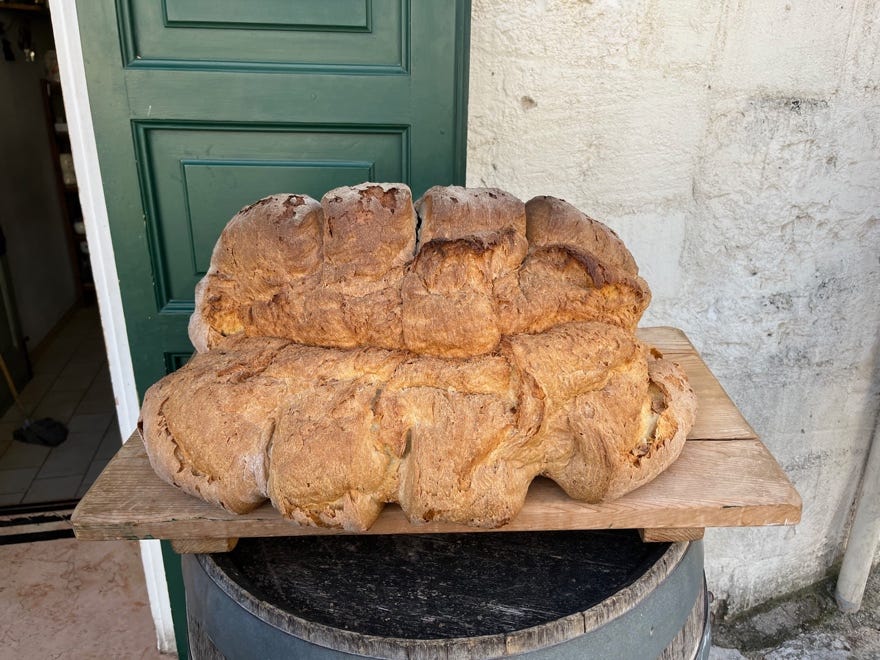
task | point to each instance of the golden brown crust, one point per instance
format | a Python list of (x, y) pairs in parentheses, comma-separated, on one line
[(268, 248), (448, 303), (557, 284), (209, 423), (351, 271), (451, 212), (666, 421), (346, 362), (369, 231), (553, 221), (331, 435), (329, 463)]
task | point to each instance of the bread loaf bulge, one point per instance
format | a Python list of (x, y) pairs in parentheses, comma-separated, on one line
[(577, 269), (553, 221), (465, 454), (206, 427), (594, 378), (331, 464), (468, 278), (268, 251), (439, 355), (369, 238)]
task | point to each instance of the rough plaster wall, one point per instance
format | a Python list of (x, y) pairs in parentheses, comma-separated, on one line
[(735, 146)]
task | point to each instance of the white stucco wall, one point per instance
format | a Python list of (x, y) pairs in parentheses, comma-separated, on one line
[(735, 146)]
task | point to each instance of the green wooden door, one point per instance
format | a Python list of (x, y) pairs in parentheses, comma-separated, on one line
[(202, 106)]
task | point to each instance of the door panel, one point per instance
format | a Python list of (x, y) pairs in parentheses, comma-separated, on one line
[(197, 177), (270, 14), (337, 35)]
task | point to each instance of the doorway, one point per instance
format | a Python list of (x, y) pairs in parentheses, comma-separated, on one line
[(52, 315)]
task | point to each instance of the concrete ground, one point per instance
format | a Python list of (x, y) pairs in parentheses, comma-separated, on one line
[(804, 625), (74, 599)]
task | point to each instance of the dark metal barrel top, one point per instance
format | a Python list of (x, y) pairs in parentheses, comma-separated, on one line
[(436, 586)]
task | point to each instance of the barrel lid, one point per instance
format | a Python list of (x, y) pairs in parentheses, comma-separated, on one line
[(335, 589)]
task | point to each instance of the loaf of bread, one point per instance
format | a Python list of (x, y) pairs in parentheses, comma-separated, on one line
[(364, 350), (351, 271)]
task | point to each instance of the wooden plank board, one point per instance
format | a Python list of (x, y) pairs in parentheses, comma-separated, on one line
[(202, 546), (712, 484), (718, 418), (671, 534)]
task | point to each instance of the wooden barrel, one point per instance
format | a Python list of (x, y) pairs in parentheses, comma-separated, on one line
[(533, 595)]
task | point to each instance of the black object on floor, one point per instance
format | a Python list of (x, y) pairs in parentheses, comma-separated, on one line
[(48, 432)]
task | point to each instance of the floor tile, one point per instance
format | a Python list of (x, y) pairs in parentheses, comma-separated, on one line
[(16, 481), (103, 397), (6, 439), (23, 455), (97, 466), (84, 487), (96, 423), (51, 490), (84, 442), (110, 444), (12, 416), (71, 384), (101, 386), (77, 376), (10, 499), (90, 406), (36, 389), (78, 381), (71, 458), (52, 363), (58, 405), (90, 351)]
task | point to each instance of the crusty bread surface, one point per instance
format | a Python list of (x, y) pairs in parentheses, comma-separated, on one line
[(441, 355)]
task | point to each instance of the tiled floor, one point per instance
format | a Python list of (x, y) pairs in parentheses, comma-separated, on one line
[(71, 384)]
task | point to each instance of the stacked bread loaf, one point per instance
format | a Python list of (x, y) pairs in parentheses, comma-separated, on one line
[(363, 350)]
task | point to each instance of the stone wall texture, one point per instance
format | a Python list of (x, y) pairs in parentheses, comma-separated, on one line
[(735, 146)]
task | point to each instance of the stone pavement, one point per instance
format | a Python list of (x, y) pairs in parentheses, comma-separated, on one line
[(804, 625), (74, 599)]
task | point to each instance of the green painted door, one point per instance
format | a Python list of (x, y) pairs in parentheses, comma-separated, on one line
[(202, 106)]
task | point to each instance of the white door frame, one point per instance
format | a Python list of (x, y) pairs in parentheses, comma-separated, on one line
[(94, 207)]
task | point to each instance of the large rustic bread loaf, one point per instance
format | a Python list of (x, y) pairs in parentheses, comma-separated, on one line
[(351, 271), (364, 350)]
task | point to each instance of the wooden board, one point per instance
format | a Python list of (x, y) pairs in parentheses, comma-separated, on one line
[(713, 484)]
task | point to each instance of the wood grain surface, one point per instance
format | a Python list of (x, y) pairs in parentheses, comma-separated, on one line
[(713, 484), (201, 546), (671, 534)]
